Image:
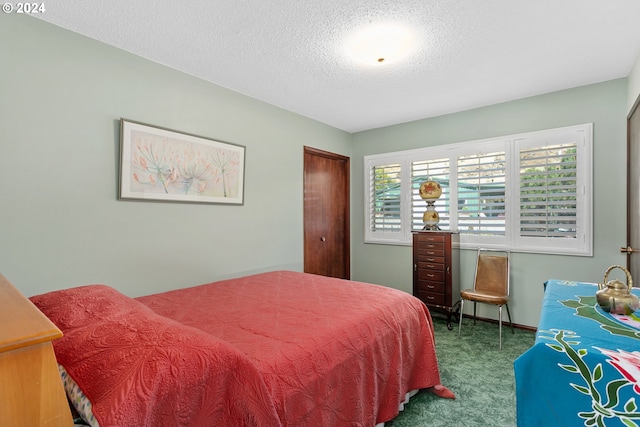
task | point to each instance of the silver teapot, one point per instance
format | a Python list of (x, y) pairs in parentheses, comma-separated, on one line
[(615, 296)]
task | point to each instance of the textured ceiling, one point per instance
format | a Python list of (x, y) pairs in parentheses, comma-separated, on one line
[(290, 53)]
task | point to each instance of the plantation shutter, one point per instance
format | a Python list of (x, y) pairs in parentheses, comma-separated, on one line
[(531, 192), (426, 170), (385, 196), (481, 194), (548, 191)]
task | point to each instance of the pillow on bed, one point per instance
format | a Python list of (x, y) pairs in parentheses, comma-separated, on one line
[(77, 398), (139, 368)]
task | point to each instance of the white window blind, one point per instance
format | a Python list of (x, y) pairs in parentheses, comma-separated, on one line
[(529, 192), (386, 192), (481, 194), (430, 170), (548, 192), (385, 197), (553, 207)]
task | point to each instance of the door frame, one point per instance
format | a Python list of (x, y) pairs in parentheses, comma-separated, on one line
[(635, 109)]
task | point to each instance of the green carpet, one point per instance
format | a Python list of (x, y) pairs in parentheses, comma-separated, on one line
[(480, 375)]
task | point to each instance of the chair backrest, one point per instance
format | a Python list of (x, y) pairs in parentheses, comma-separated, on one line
[(492, 271)]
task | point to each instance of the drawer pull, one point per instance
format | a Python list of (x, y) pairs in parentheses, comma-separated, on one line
[(431, 287), (430, 275)]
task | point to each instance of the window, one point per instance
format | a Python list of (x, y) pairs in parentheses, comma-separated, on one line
[(481, 193), (529, 192), (423, 170), (386, 193)]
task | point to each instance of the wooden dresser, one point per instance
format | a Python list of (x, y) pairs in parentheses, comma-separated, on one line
[(435, 272), (31, 391)]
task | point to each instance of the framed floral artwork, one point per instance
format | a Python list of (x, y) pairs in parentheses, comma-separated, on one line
[(166, 165)]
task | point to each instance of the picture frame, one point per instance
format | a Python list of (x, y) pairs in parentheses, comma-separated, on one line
[(160, 164)]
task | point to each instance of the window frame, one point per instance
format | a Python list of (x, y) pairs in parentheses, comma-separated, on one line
[(581, 245)]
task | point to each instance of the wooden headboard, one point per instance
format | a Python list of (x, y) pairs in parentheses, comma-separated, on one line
[(31, 390)]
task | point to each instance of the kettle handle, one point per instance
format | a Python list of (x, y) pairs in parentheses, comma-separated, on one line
[(629, 279)]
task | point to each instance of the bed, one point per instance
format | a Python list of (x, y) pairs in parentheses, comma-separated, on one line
[(274, 349), (584, 367)]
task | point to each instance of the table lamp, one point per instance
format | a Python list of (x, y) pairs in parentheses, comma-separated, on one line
[(430, 191)]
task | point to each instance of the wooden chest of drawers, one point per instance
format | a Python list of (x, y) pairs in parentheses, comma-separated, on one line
[(435, 272), (31, 391)]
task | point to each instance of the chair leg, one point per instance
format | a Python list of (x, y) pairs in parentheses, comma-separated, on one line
[(460, 321), (474, 312), (500, 324), (510, 322)]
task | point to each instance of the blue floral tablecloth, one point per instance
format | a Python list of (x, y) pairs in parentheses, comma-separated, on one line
[(584, 368)]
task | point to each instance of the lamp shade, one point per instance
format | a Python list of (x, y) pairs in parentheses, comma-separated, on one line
[(430, 190)]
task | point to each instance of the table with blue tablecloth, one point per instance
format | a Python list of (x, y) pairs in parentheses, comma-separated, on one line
[(584, 368)]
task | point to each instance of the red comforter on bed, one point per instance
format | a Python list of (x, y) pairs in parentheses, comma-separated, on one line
[(332, 352), (289, 349)]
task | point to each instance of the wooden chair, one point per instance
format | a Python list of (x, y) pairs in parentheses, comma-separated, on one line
[(491, 284)]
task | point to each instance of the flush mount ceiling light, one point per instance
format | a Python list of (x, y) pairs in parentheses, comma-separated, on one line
[(380, 44)]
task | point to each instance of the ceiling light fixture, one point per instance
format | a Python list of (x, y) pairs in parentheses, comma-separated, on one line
[(380, 44)]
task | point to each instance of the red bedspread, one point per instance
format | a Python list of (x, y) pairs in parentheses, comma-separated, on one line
[(268, 350), (141, 369), (331, 352)]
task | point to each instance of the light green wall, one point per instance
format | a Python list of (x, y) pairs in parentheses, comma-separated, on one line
[(602, 104), (61, 225)]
